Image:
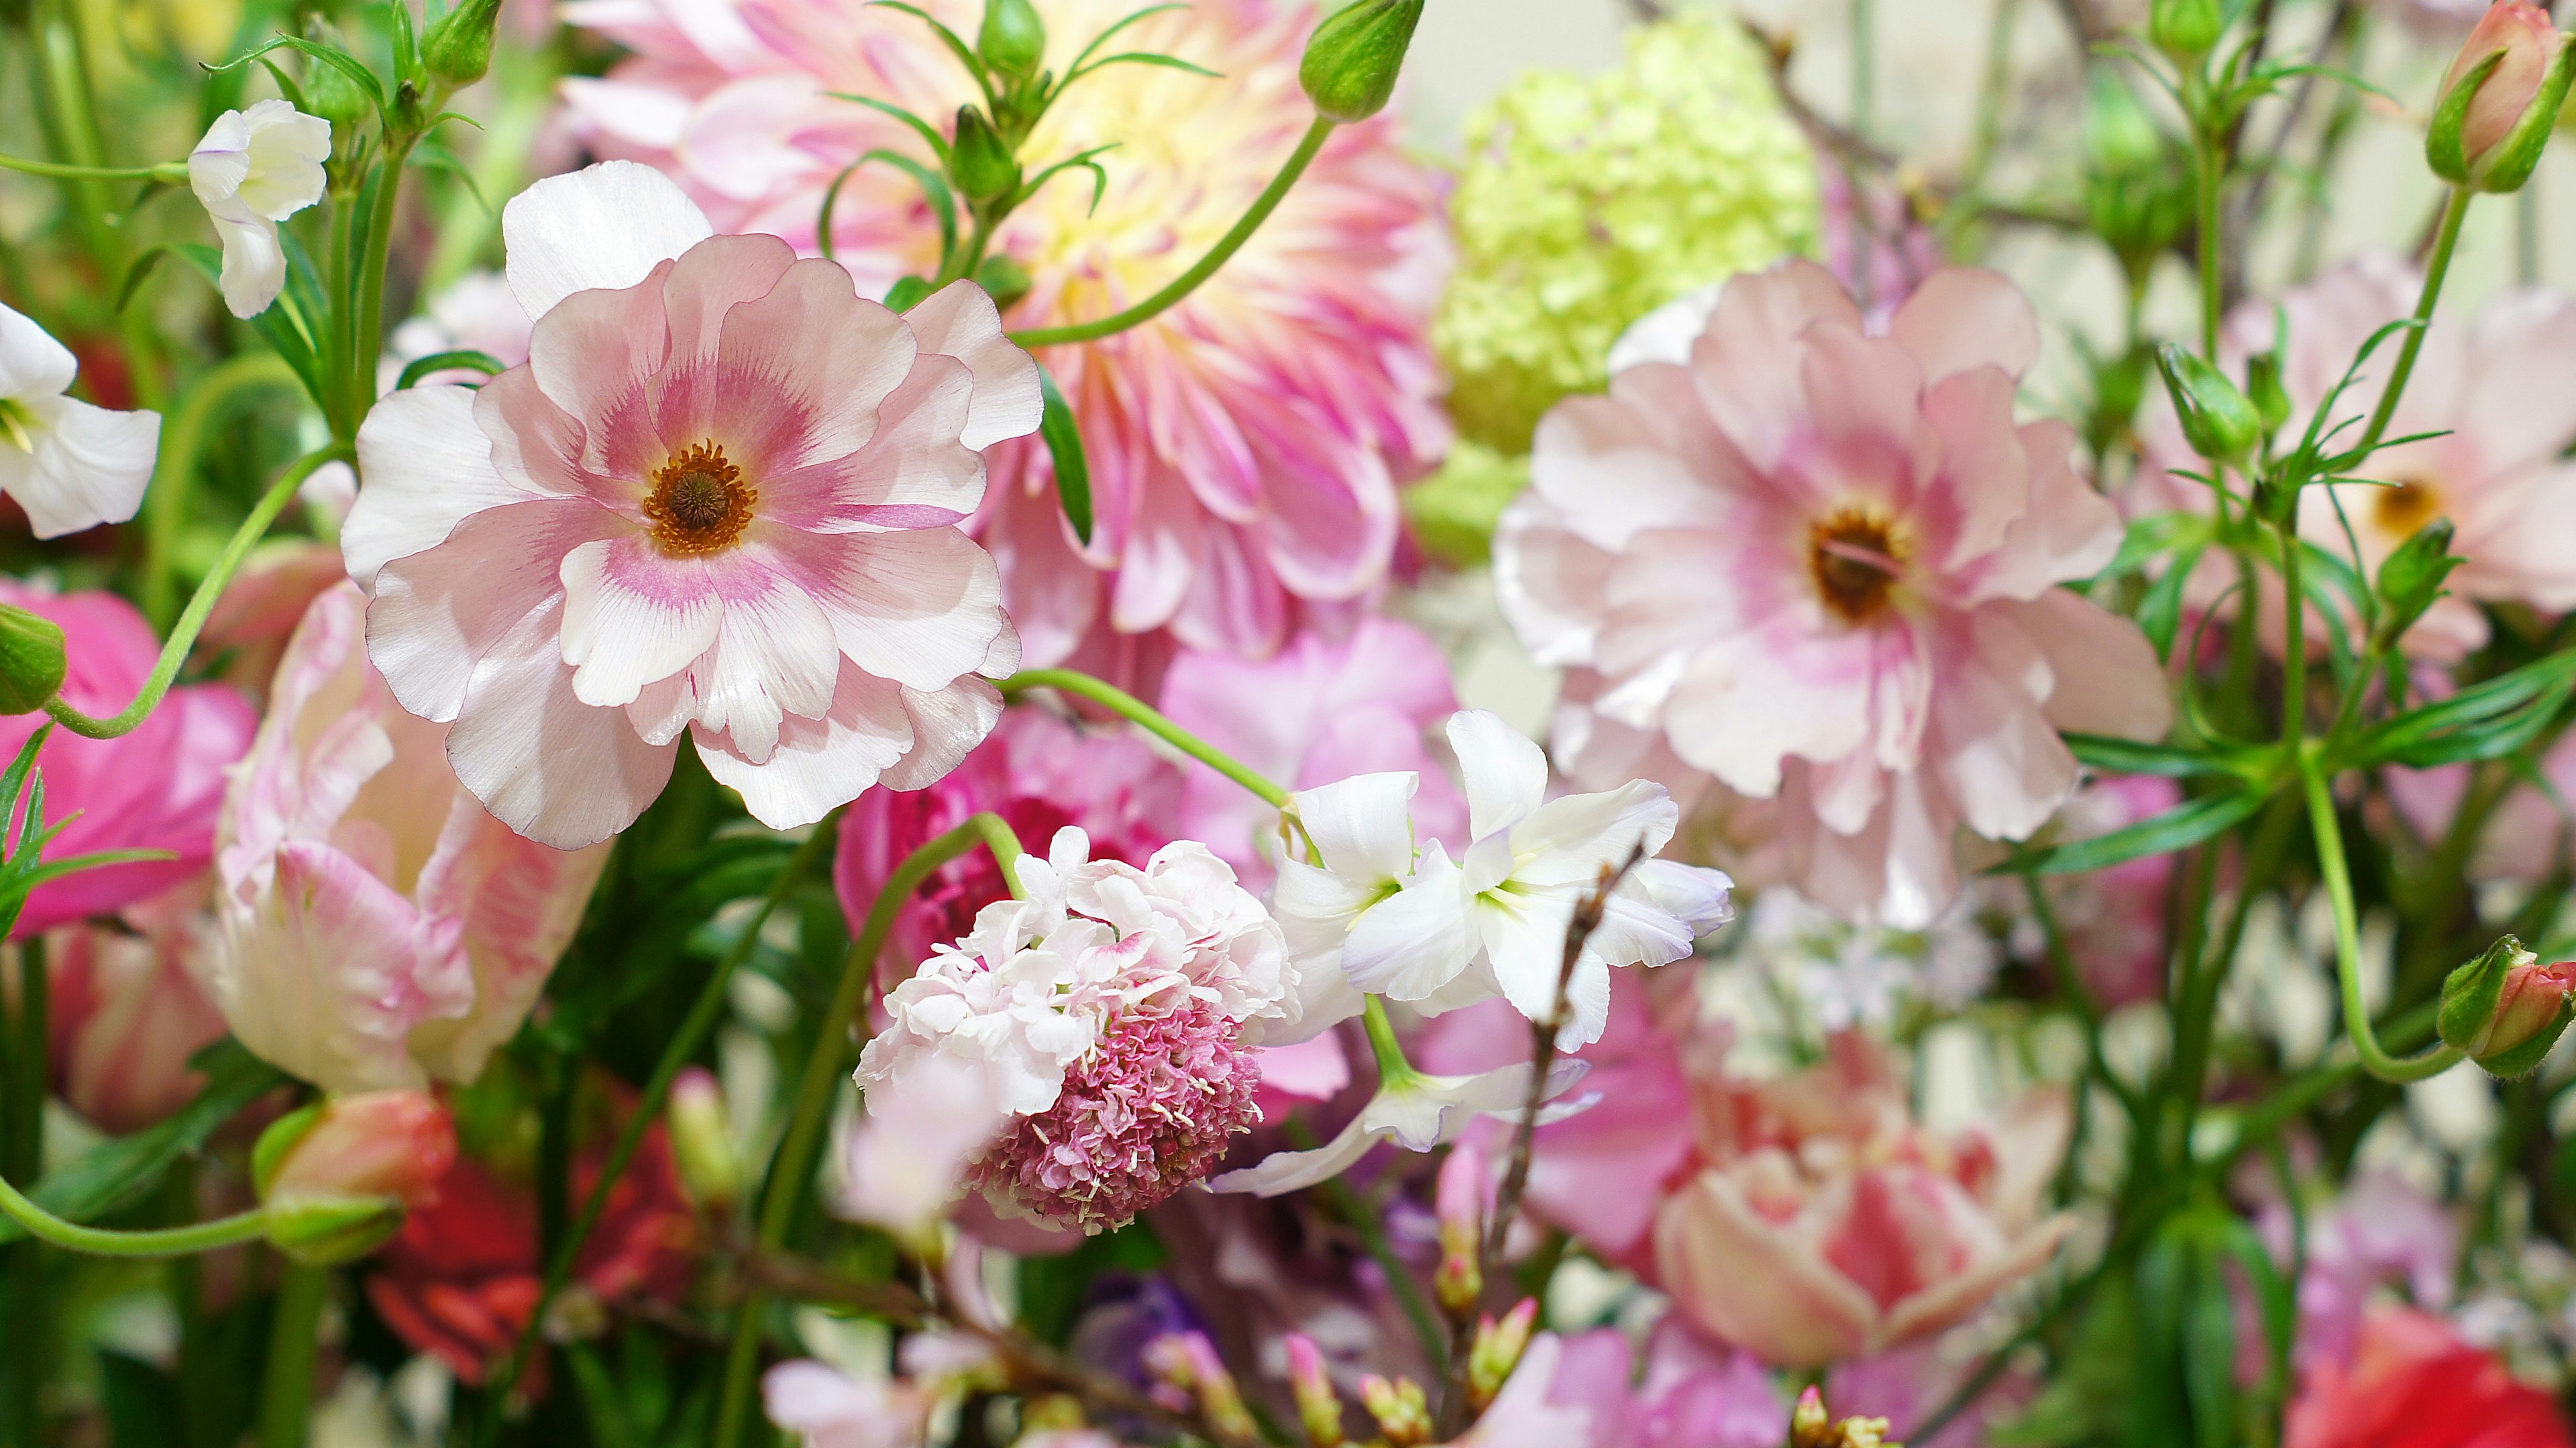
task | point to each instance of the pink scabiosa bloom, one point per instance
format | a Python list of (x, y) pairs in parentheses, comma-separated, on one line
[(1822, 561), (721, 498), (1246, 445), (1115, 1009), (130, 1006), (158, 788), (379, 927)]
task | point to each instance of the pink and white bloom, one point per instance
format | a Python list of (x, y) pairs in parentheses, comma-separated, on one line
[(253, 169), (720, 498), (1245, 446), (829, 1408), (379, 927), (1822, 561), (158, 788), (1115, 1009), (904, 1161), (130, 1006), (68, 464)]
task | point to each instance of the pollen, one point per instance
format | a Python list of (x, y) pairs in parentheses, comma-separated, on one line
[(2399, 511), (1856, 556), (699, 504)]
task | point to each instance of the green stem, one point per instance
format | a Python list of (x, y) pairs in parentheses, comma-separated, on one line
[(677, 1053), (1391, 1062), (1135, 710), (174, 172), (1218, 256), (2356, 1013), (2436, 268), (173, 476), (286, 1403), (368, 343), (2294, 647), (44, 1226), (72, 125), (193, 621), (2209, 165), (24, 1135), (802, 1140)]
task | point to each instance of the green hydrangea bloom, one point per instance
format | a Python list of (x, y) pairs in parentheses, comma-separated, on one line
[(1455, 510), (1587, 202)]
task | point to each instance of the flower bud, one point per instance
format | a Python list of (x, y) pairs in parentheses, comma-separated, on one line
[(1351, 63), (458, 47), (1403, 1414), (328, 90), (702, 1141), (336, 1178), (2137, 192), (2186, 30), (2411, 578), (1319, 1408), (2500, 99), (980, 161), (2263, 388), (2219, 421), (1460, 1281), (1186, 1363), (1013, 39), (1497, 1350), (2505, 1009), (32, 662)]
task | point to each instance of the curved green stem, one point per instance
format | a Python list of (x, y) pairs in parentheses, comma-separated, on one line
[(2436, 268), (193, 621), (802, 1140), (294, 1340), (1383, 1044), (1218, 256), (2356, 1013), (173, 476), (1129, 707), (175, 172), (44, 1226)]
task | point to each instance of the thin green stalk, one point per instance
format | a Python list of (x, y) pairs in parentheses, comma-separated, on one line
[(175, 473), (2356, 1013), (802, 1140), (2436, 268), (25, 1138), (368, 343), (294, 1340), (1135, 710), (1218, 256), (71, 114), (1991, 93), (174, 172), (44, 1226), (2294, 647), (193, 621), (2209, 165)]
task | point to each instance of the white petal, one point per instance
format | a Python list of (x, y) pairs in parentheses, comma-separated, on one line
[(1290, 1171), (254, 269), (1666, 333), (1415, 941), (557, 770), (630, 621), (1362, 826), (32, 363), (606, 225), (818, 763), (90, 466), (1505, 774), (960, 321), (425, 465)]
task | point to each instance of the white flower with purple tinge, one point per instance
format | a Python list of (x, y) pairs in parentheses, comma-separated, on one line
[(253, 169), (1114, 1010)]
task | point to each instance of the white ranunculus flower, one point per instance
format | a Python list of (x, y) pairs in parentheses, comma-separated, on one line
[(254, 169), (69, 464)]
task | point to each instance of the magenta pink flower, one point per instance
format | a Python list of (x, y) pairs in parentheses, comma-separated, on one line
[(378, 927), (158, 788), (1319, 710), (720, 498), (1687, 1393), (1246, 446), (130, 1007), (1823, 562)]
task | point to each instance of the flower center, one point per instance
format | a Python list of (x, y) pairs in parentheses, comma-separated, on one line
[(17, 424), (700, 503), (1855, 555), (2399, 511)]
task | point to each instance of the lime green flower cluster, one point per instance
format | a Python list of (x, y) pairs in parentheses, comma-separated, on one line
[(1587, 202)]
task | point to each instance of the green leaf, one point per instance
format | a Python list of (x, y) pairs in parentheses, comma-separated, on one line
[(137, 272), (432, 156), (2176, 829), (143, 1403), (924, 129), (2127, 756), (943, 202), (1143, 57), (483, 362), (2160, 612), (275, 326), (116, 1174), (1064, 444), (1103, 37), (338, 60), (2466, 725), (965, 53)]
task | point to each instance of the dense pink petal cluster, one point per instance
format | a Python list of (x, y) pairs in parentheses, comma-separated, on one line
[(1822, 560), (1246, 446)]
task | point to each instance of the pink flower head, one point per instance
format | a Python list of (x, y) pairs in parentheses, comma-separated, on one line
[(1246, 446), (396, 1144), (1823, 562), (130, 1007), (379, 927), (1825, 1224), (158, 788), (1690, 1394), (1113, 1009), (721, 497), (1319, 710)]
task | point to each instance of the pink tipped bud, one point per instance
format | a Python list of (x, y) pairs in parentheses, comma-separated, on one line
[(1403, 1414), (1318, 1406), (1497, 1351), (1810, 1426), (2500, 99), (337, 1177), (1186, 1369), (1460, 1281), (2531, 1012)]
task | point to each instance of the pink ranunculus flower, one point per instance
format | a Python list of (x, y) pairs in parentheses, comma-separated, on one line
[(721, 498), (1246, 446), (1319, 710), (1823, 561), (1825, 1224), (379, 928), (130, 1006), (158, 788)]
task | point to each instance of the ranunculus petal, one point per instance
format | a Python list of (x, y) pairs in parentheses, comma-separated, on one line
[(603, 226)]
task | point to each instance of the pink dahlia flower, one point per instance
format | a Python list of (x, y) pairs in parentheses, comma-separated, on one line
[(721, 498), (379, 928), (158, 788), (1245, 446), (1823, 561)]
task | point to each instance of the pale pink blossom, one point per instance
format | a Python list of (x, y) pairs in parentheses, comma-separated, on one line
[(1530, 1411), (158, 788), (379, 928), (2528, 42), (1319, 710), (1689, 1393), (129, 1007), (1825, 1224), (68, 464), (905, 1159), (829, 1408), (1823, 561), (253, 169), (1246, 446), (719, 499)]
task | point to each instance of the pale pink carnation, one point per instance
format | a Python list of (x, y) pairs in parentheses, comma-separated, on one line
[(1246, 446), (1823, 562), (720, 498)]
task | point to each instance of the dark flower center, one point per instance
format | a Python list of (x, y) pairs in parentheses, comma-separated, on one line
[(2411, 504), (699, 503), (1855, 555)]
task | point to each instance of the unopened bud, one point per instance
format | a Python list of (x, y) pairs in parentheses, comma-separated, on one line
[(980, 161), (702, 1139), (1186, 1364), (2410, 581), (1319, 1408), (2219, 421), (1460, 1282), (2263, 388), (1403, 1414), (2505, 1009), (1351, 63), (32, 662), (329, 92), (1810, 1426), (2186, 30), (1013, 39), (1497, 1350), (336, 1178), (458, 47), (2500, 99)]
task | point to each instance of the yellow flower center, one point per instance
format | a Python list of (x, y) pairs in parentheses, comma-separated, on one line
[(2399, 511), (1855, 556), (700, 504)]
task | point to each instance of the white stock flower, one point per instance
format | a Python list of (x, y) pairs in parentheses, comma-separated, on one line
[(68, 464), (1416, 1111), (254, 169)]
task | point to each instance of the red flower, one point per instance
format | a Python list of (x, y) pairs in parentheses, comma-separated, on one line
[(2412, 1383)]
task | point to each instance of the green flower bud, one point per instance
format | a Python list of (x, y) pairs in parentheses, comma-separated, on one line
[(328, 1231), (328, 90), (2186, 30), (2219, 421), (980, 161), (2505, 1009), (2263, 385), (458, 47), (702, 1141), (1352, 61), (1013, 39), (2411, 579), (31, 660), (2500, 99)]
